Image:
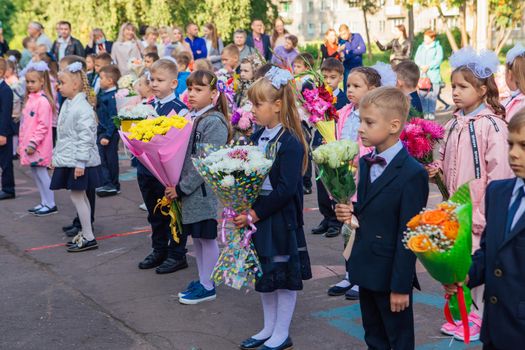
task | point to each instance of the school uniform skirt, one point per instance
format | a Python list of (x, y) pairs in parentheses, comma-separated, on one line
[(283, 255), (64, 178), (206, 229)]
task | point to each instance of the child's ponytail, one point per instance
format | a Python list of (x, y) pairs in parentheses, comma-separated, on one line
[(86, 89), (492, 97)]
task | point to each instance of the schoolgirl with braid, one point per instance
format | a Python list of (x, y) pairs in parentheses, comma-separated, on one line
[(75, 157)]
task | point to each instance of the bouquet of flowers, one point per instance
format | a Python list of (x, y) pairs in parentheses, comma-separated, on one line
[(335, 164), (441, 238), (319, 104), (242, 120), (126, 95), (129, 115), (136, 65), (420, 136), (160, 144), (236, 174), (228, 84)]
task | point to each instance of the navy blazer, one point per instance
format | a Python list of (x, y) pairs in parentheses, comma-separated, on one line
[(7, 127), (342, 100), (287, 181), (500, 264), (106, 111), (379, 260), (266, 45)]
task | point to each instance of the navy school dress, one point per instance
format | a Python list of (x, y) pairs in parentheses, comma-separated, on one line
[(280, 229)]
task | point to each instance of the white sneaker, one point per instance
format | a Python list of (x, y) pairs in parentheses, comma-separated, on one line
[(143, 207)]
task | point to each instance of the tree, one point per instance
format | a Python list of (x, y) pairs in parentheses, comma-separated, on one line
[(504, 15), (369, 7)]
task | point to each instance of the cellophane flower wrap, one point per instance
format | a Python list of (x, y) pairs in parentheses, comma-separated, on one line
[(319, 104), (335, 162), (126, 96), (420, 138), (441, 238), (130, 115), (236, 174), (160, 144)]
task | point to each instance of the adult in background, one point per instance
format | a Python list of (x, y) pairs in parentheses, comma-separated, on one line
[(197, 44), (330, 46), (260, 41), (126, 47), (401, 46), (4, 47), (178, 44), (214, 45), (98, 43), (36, 31), (351, 48), (150, 37), (279, 33), (239, 39), (66, 45), (429, 56), (284, 55)]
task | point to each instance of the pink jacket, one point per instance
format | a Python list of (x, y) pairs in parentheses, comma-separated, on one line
[(513, 105), (36, 130), (457, 160)]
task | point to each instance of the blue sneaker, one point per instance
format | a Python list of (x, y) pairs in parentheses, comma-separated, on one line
[(189, 288), (198, 295)]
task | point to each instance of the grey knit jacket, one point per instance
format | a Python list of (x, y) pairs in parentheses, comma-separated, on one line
[(199, 203)]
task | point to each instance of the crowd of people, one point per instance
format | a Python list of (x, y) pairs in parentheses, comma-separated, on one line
[(58, 101)]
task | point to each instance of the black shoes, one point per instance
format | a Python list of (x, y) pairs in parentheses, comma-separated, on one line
[(319, 230), (251, 343), (171, 265), (332, 232), (287, 345), (82, 245), (73, 231), (107, 191), (45, 211), (307, 190), (6, 195), (153, 260), (352, 294), (336, 291)]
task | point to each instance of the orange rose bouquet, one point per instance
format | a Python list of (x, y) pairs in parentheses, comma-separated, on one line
[(441, 238)]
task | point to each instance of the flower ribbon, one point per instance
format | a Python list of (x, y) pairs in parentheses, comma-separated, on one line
[(166, 208), (228, 214), (462, 310)]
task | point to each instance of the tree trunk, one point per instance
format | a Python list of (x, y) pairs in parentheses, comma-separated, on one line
[(508, 32), (369, 44), (463, 25), (474, 14), (450, 37), (410, 23), (492, 18)]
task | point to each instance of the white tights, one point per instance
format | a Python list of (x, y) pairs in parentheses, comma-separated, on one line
[(42, 179), (206, 254), (81, 203), (278, 309)]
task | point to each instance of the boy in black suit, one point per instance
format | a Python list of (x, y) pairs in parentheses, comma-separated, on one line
[(499, 263), (6, 136), (333, 72), (392, 188)]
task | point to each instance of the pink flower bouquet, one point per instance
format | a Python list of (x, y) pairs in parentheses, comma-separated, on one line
[(420, 136), (162, 152)]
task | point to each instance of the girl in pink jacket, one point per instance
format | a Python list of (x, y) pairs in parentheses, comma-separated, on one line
[(515, 79), (36, 136), (475, 149)]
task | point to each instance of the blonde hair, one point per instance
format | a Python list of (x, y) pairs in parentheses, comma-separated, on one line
[(121, 31), (391, 100), (165, 65), (202, 64), (263, 91), (232, 50), (517, 68), (151, 30), (518, 121), (86, 88)]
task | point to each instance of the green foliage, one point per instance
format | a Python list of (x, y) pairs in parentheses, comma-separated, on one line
[(110, 14)]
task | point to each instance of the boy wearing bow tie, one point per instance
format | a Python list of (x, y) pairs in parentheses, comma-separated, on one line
[(392, 188), (499, 263)]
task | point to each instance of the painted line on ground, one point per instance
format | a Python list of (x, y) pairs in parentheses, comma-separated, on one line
[(114, 235)]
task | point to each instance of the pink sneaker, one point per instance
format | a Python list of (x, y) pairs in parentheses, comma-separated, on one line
[(450, 328), (474, 322)]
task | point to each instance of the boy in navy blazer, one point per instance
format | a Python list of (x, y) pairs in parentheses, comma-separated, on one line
[(107, 135), (392, 188), (333, 72), (6, 136), (499, 263)]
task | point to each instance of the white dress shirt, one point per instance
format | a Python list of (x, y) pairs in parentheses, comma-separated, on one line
[(268, 135), (194, 114), (388, 155), (351, 127)]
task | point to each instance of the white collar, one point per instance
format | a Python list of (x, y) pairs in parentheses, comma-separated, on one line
[(195, 114), (390, 153), (111, 89), (166, 99), (271, 133), (474, 112), (519, 185), (336, 92), (64, 41)]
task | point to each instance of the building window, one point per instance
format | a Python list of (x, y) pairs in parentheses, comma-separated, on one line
[(324, 28), (311, 29), (382, 26), (310, 6)]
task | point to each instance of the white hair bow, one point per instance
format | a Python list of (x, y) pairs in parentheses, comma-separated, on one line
[(278, 77), (39, 66), (74, 67), (517, 50), (483, 65), (388, 76)]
